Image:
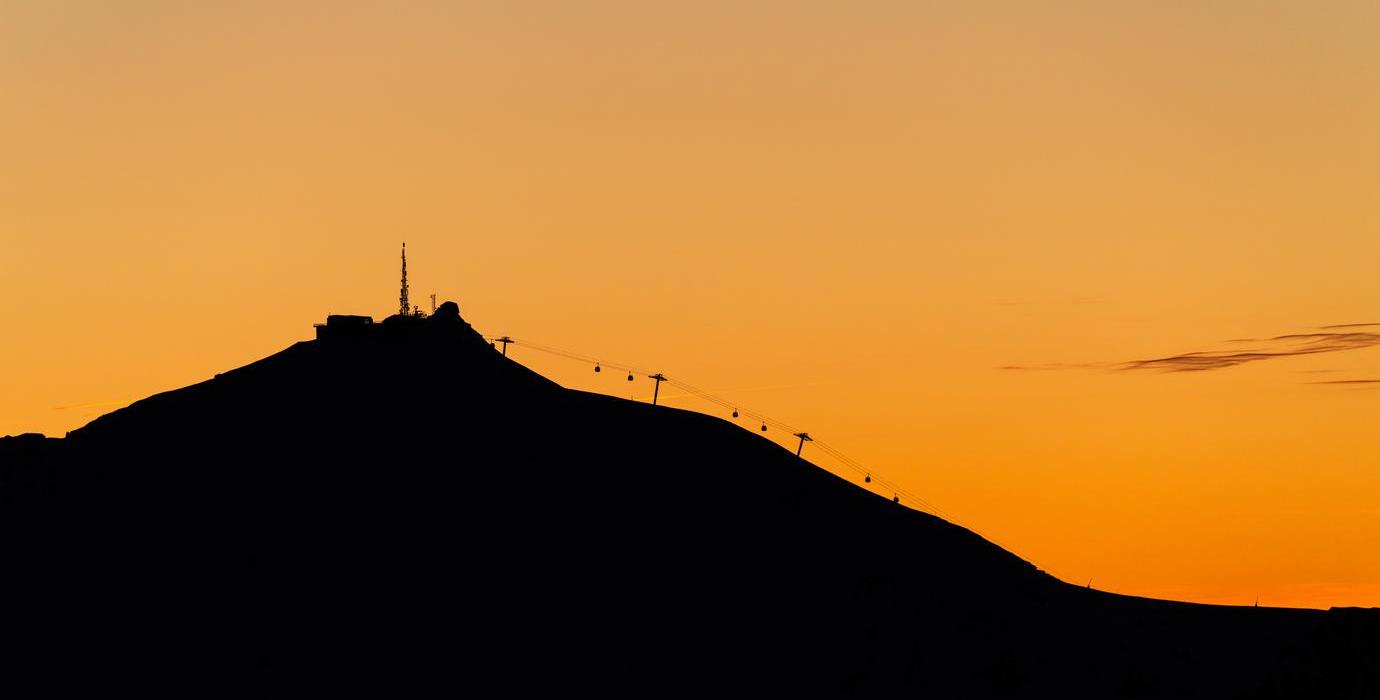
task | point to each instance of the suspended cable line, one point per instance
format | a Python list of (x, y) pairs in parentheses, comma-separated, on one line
[(870, 478)]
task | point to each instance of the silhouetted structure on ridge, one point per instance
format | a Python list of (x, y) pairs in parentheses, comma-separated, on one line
[(269, 527), (343, 326), (403, 307), (351, 326), (658, 378)]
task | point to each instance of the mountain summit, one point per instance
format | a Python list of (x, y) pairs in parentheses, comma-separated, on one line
[(397, 505)]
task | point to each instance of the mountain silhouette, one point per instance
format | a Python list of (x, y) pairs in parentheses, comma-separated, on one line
[(398, 506)]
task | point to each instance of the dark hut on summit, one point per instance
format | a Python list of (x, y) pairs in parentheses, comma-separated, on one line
[(343, 326)]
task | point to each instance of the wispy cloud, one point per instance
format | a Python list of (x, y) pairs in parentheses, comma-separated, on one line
[(1347, 325), (1350, 381), (1281, 346), (1257, 350)]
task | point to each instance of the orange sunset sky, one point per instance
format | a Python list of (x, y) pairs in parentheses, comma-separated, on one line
[(937, 235)]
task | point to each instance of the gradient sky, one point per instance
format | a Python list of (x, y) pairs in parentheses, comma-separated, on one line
[(934, 234)]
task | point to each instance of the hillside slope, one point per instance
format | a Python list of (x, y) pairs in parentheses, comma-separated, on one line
[(408, 507)]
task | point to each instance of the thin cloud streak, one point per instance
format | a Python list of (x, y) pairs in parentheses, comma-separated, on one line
[(1347, 325), (1277, 347), (1291, 345)]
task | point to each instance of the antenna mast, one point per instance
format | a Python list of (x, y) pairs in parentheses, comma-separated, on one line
[(403, 307)]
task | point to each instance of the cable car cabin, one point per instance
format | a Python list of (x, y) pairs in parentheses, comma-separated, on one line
[(339, 326)]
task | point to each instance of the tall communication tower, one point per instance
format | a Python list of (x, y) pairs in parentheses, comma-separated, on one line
[(403, 307)]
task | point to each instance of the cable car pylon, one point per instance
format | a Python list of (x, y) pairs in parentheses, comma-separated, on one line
[(659, 377), (765, 423)]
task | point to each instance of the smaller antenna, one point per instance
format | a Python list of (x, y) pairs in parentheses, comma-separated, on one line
[(402, 298), (433, 304)]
